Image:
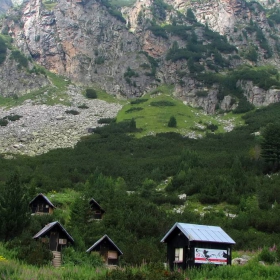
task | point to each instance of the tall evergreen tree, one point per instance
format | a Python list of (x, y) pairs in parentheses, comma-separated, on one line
[(14, 211), (271, 146)]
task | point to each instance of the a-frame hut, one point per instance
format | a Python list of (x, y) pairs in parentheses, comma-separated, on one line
[(96, 209), (41, 205), (107, 249), (191, 245), (56, 236)]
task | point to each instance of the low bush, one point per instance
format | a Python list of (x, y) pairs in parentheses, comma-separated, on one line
[(72, 112), (106, 120), (19, 58), (12, 118), (163, 103), (172, 122), (3, 122), (35, 253), (134, 109), (138, 101), (212, 127), (267, 255), (72, 257), (3, 50), (83, 106), (91, 93), (201, 93)]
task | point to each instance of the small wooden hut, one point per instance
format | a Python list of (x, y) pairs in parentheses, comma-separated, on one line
[(96, 209), (57, 237), (41, 205), (107, 249), (191, 245)]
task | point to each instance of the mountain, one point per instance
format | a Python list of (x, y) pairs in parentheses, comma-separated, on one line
[(129, 49)]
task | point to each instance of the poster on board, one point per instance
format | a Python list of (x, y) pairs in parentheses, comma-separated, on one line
[(214, 256)]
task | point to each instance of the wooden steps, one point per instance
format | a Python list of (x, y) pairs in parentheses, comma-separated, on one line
[(56, 259)]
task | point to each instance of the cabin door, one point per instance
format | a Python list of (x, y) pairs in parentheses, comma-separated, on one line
[(54, 241)]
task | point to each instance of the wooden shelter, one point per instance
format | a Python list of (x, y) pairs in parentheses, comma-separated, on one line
[(191, 245), (41, 205), (107, 249), (96, 209), (55, 235)]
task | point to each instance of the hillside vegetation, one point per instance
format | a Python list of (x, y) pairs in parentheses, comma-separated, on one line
[(137, 165), (137, 182)]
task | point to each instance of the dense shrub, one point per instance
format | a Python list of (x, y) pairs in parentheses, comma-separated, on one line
[(12, 118), (106, 120), (212, 127), (3, 50), (72, 257), (138, 101), (91, 93), (134, 109), (201, 93), (172, 122), (35, 253), (113, 10), (83, 106), (72, 112), (3, 122), (158, 31), (267, 255), (19, 58), (162, 103), (99, 60), (130, 73), (243, 106)]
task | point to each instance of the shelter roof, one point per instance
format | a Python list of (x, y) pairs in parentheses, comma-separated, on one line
[(201, 233), (93, 201), (48, 227), (44, 197), (100, 240)]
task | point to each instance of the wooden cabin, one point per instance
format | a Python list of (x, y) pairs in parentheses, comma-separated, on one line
[(55, 235), (190, 245), (107, 249), (96, 209), (41, 205)]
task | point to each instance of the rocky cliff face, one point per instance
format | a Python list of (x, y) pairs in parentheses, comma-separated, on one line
[(17, 81), (83, 42), (5, 5), (91, 43)]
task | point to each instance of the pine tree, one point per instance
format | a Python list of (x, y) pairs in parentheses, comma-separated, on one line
[(172, 122), (14, 211), (271, 145)]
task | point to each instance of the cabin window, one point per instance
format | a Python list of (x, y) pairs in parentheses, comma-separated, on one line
[(178, 254), (112, 255), (62, 241)]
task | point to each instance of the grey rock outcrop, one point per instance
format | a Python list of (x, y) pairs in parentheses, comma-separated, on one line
[(17, 81), (42, 128)]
